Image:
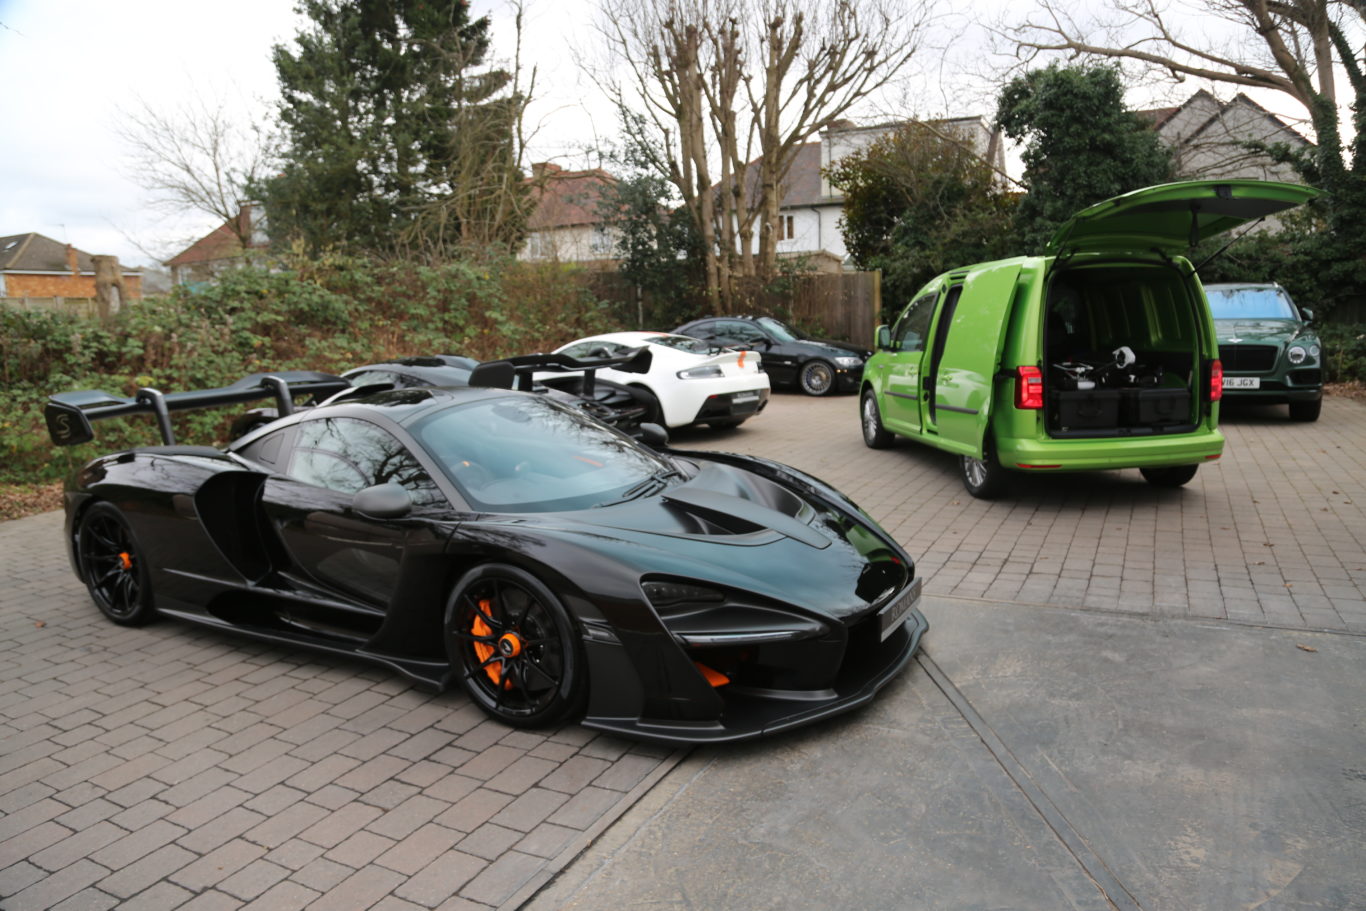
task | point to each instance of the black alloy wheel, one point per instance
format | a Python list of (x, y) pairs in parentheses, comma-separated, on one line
[(514, 647), (113, 565), (875, 436), (816, 377), (1176, 476)]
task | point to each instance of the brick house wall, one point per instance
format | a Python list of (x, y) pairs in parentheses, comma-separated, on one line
[(55, 285)]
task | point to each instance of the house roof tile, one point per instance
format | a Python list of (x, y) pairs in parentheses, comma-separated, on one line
[(33, 252)]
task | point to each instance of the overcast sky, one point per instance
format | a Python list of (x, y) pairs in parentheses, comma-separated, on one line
[(68, 67)]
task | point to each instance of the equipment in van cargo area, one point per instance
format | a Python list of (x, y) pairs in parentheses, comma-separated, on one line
[(1099, 354)]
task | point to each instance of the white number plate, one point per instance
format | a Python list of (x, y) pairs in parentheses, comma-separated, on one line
[(1242, 382), (741, 397), (894, 614)]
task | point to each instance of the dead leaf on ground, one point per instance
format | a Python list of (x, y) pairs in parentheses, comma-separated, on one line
[(39, 623), (1305, 648)]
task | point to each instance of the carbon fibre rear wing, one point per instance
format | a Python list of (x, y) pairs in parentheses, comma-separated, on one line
[(69, 414), (518, 372)]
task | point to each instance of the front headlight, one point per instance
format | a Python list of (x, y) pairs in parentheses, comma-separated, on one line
[(1295, 355), (1313, 350), (848, 363), (700, 373)]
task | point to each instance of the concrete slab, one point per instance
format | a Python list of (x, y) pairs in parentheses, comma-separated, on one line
[(1037, 758)]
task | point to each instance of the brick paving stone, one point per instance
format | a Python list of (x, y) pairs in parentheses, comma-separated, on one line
[(362, 889), (211, 901), (141, 814), (295, 854), (626, 772), (137, 876), (137, 845), (419, 849), (61, 885), (208, 807), (575, 773), (521, 775), (332, 829), (547, 840), (373, 772), (423, 774), (473, 810), (584, 807), (321, 874), (217, 865), (531, 808), (282, 825), (408, 817), (87, 900), (389, 794), (161, 897), (285, 896), (220, 829), (333, 797), (18, 877), (73, 848), (496, 883), (489, 841), (440, 879), (360, 849), (253, 879)]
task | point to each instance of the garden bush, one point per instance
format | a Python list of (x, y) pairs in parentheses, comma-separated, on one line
[(328, 315)]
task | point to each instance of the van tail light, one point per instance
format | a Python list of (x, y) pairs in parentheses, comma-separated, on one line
[(1216, 380), (1028, 387)]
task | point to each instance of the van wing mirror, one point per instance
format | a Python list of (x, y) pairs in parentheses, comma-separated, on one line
[(1307, 314), (884, 338)]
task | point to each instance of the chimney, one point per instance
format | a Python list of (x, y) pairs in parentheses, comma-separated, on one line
[(544, 169), (71, 262)]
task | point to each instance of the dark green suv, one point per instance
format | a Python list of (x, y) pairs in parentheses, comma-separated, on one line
[(1270, 354)]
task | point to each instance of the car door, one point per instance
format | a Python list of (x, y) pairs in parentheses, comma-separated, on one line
[(902, 393), (352, 556)]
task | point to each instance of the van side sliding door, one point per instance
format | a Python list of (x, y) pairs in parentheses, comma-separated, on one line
[(969, 334)]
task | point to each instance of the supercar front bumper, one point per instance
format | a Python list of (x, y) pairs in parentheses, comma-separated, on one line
[(749, 714)]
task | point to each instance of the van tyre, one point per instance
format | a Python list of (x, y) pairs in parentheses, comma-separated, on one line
[(1175, 476), (817, 377), (1306, 411), (984, 478), (875, 436)]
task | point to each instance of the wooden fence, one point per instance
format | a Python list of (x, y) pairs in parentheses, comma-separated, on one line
[(78, 306), (843, 305)]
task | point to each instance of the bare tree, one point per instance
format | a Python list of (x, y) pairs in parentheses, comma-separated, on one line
[(723, 82), (1295, 47), (197, 158)]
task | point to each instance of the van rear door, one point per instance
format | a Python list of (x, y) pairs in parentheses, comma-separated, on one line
[(966, 355), (1174, 216)]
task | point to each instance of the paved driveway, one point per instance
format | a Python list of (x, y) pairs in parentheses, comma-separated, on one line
[(174, 767)]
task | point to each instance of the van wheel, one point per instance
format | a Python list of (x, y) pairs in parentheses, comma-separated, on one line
[(984, 478), (1175, 476), (875, 436), (1306, 411)]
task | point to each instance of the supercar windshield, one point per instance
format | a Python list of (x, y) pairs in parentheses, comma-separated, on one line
[(526, 453)]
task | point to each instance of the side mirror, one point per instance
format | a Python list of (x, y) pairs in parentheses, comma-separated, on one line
[(654, 435), (383, 501), (1307, 314), (884, 338)]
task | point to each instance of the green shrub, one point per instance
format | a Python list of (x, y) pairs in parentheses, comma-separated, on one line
[(329, 315), (1344, 350)]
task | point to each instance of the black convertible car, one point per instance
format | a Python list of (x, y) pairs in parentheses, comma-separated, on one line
[(550, 565), (816, 366), (565, 379)]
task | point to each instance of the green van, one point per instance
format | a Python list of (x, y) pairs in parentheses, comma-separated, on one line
[(1099, 354)]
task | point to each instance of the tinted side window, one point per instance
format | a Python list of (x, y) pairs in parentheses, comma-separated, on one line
[(736, 330), (267, 450), (914, 324), (348, 455)]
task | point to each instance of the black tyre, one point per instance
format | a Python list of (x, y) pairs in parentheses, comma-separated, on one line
[(1175, 476), (816, 377), (984, 478), (875, 436), (1306, 411), (114, 567), (654, 414), (515, 647)]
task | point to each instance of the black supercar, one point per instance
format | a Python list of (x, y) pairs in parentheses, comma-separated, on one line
[(553, 566)]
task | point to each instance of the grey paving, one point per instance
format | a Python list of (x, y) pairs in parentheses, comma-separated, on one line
[(171, 767), (1036, 758)]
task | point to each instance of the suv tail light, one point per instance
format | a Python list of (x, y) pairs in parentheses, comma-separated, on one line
[(1216, 380), (1028, 387)]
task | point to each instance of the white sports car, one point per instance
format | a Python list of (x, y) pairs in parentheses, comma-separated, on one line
[(690, 381)]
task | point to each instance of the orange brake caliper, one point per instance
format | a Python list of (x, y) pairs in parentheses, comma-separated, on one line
[(482, 650)]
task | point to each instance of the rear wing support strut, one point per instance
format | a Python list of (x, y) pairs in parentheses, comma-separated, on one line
[(69, 414)]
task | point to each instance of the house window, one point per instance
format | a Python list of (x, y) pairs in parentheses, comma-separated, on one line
[(786, 229)]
